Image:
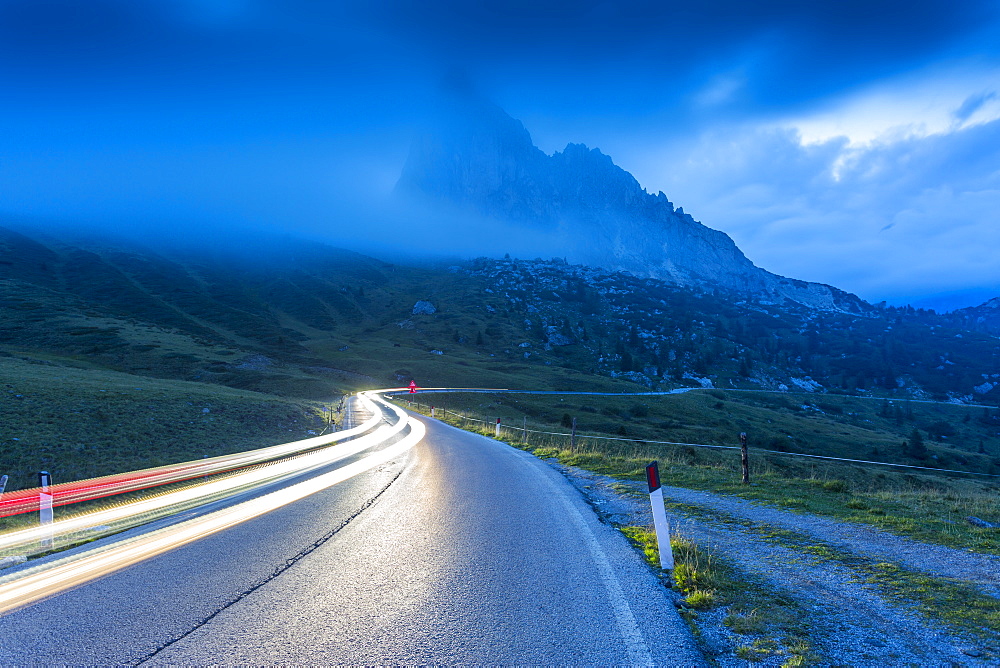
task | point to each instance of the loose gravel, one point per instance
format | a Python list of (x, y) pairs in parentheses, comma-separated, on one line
[(983, 570), (849, 622)]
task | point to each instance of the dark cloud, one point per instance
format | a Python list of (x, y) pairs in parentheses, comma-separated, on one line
[(652, 54), (649, 54)]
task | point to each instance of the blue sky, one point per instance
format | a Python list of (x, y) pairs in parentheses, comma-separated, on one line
[(853, 143)]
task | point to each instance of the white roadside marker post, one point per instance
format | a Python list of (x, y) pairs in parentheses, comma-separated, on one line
[(498, 427), (744, 458), (432, 411), (659, 516), (45, 507)]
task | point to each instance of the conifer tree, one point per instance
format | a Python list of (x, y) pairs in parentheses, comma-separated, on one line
[(917, 448)]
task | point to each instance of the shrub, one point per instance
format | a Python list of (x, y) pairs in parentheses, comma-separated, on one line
[(688, 578), (838, 486), (639, 410), (700, 599)]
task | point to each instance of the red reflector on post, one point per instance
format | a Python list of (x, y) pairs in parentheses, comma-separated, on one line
[(653, 476)]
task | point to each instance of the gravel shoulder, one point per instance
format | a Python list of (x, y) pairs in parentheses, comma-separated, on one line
[(849, 621), (983, 570)]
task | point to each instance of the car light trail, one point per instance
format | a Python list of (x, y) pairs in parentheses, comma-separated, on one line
[(49, 579), (141, 511), (26, 501)]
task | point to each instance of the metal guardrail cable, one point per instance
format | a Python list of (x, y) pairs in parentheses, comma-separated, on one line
[(522, 430), (865, 461)]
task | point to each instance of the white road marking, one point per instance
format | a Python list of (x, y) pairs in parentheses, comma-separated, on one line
[(638, 652)]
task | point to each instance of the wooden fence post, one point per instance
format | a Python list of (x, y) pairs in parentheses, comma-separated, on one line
[(572, 437), (745, 457)]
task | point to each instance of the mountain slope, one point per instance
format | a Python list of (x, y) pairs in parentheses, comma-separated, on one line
[(301, 319), (296, 317), (982, 318), (595, 213)]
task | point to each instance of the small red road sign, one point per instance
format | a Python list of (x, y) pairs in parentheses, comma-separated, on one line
[(653, 476), (413, 387)]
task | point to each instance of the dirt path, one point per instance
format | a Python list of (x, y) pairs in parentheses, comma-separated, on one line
[(980, 569), (849, 621)]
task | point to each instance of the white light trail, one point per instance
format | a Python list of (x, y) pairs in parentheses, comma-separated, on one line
[(47, 580), (141, 511), (27, 500)]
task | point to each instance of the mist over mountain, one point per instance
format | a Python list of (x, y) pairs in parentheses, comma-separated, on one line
[(291, 316), (481, 161)]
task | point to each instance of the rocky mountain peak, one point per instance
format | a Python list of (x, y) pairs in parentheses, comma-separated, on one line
[(993, 304), (595, 213)]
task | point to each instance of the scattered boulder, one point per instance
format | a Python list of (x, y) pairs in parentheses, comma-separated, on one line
[(556, 338), (634, 376), (424, 308), (254, 363), (706, 383)]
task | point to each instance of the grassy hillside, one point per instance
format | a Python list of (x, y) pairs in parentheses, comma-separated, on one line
[(81, 423), (212, 313), (919, 503), (283, 322), (830, 425)]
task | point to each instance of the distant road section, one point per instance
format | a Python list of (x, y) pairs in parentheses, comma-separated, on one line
[(458, 550)]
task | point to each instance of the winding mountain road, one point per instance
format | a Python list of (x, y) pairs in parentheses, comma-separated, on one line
[(459, 550)]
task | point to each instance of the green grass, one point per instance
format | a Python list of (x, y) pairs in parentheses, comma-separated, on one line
[(925, 507), (922, 505), (953, 602), (752, 607), (79, 423), (829, 425)]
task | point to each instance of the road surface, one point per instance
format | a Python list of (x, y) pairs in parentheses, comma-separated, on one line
[(462, 550)]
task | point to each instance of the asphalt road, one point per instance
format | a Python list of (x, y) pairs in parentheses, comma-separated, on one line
[(461, 551)]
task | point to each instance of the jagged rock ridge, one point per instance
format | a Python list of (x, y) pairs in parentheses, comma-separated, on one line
[(595, 212)]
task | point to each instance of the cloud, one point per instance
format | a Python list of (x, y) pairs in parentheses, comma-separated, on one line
[(972, 104), (602, 57), (290, 112), (895, 220)]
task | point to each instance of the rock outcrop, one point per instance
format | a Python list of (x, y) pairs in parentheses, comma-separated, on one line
[(982, 318), (424, 308), (592, 211)]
